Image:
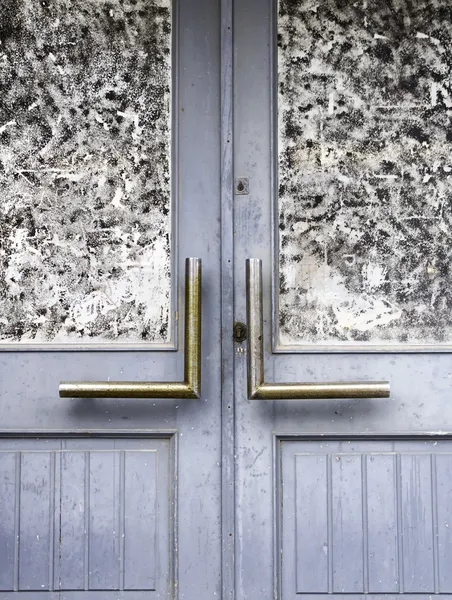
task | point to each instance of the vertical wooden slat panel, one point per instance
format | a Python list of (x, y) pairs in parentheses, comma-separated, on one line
[(347, 524), (87, 518), (389, 508), (140, 520), (122, 501), (434, 496), (17, 520), (35, 542), (52, 511), (56, 514), (382, 523), (311, 523), (72, 521), (444, 508), (329, 504), (398, 484), (77, 519), (7, 518), (365, 523), (417, 523), (104, 521)]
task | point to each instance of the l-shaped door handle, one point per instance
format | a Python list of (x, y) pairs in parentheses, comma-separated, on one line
[(190, 387), (258, 389)]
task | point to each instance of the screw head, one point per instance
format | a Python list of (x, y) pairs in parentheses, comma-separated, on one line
[(242, 186)]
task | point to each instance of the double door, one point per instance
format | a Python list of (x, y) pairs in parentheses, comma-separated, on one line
[(204, 207)]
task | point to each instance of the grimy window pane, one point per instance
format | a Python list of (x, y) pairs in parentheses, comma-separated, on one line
[(365, 206), (85, 136)]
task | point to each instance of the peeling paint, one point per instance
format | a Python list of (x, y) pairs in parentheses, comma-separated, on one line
[(85, 219), (365, 205)]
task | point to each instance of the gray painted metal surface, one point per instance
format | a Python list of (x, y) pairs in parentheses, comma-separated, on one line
[(268, 434), (87, 515), (243, 499), (365, 517), (227, 307), (176, 550)]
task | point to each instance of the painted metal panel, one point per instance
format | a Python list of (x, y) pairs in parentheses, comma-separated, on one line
[(85, 518), (312, 533), (363, 518), (29, 380), (381, 526), (140, 522), (8, 491), (35, 518), (443, 539)]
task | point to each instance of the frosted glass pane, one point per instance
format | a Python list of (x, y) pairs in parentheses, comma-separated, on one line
[(365, 210), (85, 136)]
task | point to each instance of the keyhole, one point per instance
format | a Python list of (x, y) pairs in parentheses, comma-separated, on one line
[(239, 334)]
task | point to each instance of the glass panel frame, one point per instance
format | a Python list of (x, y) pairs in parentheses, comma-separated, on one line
[(171, 343), (279, 346)]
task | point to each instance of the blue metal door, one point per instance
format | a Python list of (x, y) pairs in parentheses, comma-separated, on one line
[(109, 491), (341, 117), (265, 460)]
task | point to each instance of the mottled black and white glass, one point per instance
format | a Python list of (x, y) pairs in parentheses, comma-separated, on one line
[(85, 171), (364, 177)]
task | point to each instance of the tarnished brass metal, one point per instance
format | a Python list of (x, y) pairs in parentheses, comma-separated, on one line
[(189, 388), (258, 389)]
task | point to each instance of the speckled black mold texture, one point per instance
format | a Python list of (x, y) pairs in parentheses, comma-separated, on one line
[(85, 136), (365, 165)]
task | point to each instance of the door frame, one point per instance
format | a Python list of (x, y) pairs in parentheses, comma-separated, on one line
[(228, 530)]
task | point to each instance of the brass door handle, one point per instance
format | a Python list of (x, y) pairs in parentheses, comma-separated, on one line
[(258, 389), (190, 387)]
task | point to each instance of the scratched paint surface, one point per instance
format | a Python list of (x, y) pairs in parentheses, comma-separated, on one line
[(85, 170), (365, 204)]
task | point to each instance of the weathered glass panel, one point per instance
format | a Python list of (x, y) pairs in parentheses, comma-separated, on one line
[(365, 203), (85, 208)]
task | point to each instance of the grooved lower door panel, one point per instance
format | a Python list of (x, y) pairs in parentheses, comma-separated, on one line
[(81, 516), (366, 518)]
